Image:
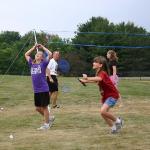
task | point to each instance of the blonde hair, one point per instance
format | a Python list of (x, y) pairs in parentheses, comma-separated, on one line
[(113, 55), (34, 61)]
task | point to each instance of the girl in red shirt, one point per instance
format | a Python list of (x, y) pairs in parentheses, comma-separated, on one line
[(108, 91)]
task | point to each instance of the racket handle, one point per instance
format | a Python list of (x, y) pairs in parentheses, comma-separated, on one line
[(81, 82)]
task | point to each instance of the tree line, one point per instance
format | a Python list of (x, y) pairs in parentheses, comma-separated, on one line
[(132, 62)]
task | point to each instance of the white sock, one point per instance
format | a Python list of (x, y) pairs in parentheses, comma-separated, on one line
[(118, 120), (46, 124), (49, 109)]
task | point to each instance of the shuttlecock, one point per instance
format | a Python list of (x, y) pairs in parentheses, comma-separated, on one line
[(11, 136), (1, 109)]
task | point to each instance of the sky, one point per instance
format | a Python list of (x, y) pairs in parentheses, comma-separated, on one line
[(64, 15)]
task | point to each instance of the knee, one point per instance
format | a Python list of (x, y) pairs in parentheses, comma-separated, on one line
[(38, 109), (45, 108), (102, 112)]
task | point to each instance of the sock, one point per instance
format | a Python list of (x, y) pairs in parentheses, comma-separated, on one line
[(118, 120), (49, 108), (46, 124)]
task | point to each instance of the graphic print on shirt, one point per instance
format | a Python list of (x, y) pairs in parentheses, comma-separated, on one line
[(36, 70)]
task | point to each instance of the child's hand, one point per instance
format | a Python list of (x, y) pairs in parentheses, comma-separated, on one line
[(39, 46), (84, 76), (51, 80), (83, 80)]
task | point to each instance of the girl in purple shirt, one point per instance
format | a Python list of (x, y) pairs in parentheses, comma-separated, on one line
[(40, 87)]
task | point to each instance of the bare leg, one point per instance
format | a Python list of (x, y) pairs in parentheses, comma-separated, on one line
[(46, 114), (109, 118), (54, 98), (40, 110), (108, 121)]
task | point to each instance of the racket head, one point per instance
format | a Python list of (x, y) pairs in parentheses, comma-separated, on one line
[(63, 66)]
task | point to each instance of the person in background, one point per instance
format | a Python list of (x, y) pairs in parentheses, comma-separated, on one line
[(52, 78), (112, 63)]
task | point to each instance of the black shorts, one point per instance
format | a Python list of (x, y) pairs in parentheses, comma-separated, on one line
[(41, 99), (53, 86)]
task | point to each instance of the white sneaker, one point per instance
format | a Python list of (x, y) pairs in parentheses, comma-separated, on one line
[(114, 129), (119, 124), (44, 127)]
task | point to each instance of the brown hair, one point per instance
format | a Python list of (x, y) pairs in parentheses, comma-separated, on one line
[(55, 52), (113, 55), (102, 60)]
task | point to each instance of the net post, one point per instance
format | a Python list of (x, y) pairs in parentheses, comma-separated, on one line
[(34, 32)]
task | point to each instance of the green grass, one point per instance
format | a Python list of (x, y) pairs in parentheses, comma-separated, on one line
[(78, 125)]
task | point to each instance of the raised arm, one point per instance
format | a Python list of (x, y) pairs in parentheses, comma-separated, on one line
[(46, 50), (28, 53)]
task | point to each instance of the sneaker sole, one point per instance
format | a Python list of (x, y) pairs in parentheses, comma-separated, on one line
[(39, 129)]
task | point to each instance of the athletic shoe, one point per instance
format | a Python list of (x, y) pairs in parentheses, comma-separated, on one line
[(44, 127), (119, 125), (56, 106), (114, 131)]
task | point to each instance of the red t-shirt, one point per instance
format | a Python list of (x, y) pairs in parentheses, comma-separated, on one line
[(108, 88)]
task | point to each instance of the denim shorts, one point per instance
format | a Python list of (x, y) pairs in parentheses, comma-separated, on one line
[(110, 101)]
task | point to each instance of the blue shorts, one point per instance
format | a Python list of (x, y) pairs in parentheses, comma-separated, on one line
[(110, 101)]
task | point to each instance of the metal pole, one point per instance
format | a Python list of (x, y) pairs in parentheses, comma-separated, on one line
[(35, 40)]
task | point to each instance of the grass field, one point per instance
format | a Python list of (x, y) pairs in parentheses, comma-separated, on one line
[(78, 125)]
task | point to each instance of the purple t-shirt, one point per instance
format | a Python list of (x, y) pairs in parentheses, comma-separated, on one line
[(38, 74)]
